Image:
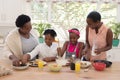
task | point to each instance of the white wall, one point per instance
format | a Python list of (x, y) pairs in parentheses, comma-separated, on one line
[(118, 13), (113, 54), (9, 10)]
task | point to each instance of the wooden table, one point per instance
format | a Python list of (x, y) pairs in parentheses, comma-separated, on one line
[(32, 73)]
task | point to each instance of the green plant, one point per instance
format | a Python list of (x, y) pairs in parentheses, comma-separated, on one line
[(116, 30), (41, 27)]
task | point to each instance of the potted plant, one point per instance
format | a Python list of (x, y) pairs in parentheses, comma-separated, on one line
[(41, 27), (116, 32)]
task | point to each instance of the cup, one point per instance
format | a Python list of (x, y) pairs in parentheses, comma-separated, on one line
[(40, 65), (77, 67)]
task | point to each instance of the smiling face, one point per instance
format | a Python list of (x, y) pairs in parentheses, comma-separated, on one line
[(93, 19), (49, 39), (25, 29), (73, 38)]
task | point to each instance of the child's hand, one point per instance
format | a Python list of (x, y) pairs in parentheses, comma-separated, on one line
[(47, 59), (84, 51), (59, 51)]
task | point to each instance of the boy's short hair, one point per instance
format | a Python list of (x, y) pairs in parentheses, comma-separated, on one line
[(51, 32)]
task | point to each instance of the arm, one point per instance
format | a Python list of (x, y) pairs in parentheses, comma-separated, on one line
[(87, 46), (15, 60), (62, 51), (35, 51), (49, 59), (11, 56), (26, 57), (8, 52), (109, 38), (81, 49)]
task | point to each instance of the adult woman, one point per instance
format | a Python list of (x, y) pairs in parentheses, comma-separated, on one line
[(20, 40), (98, 37)]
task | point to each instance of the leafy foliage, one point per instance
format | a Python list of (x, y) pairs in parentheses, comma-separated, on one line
[(41, 27), (116, 30)]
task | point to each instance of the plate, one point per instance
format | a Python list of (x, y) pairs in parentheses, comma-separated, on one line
[(21, 67), (85, 64), (34, 64)]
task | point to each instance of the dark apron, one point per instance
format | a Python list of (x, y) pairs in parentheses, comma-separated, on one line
[(69, 54)]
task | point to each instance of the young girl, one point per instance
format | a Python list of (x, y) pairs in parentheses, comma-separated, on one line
[(47, 51), (72, 47)]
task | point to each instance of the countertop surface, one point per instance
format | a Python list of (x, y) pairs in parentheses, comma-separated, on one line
[(33, 73)]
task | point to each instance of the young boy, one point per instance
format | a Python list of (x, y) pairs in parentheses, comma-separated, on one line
[(47, 51)]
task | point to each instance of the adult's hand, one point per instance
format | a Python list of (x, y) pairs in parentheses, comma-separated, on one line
[(86, 53), (15, 60), (98, 51)]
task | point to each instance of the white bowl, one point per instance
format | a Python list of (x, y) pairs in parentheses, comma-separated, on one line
[(61, 61), (21, 67), (85, 64), (54, 67)]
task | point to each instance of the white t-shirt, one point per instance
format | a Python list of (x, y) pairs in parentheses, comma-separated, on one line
[(44, 50)]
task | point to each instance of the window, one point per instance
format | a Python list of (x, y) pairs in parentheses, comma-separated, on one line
[(67, 15)]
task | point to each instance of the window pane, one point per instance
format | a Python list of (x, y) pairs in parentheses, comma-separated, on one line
[(67, 15)]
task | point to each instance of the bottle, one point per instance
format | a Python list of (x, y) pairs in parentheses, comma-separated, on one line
[(77, 67), (93, 50), (72, 66)]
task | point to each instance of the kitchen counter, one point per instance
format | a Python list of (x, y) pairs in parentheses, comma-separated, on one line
[(32, 73)]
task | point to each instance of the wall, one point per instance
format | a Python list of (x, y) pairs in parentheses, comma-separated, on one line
[(9, 10), (118, 11), (113, 54)]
